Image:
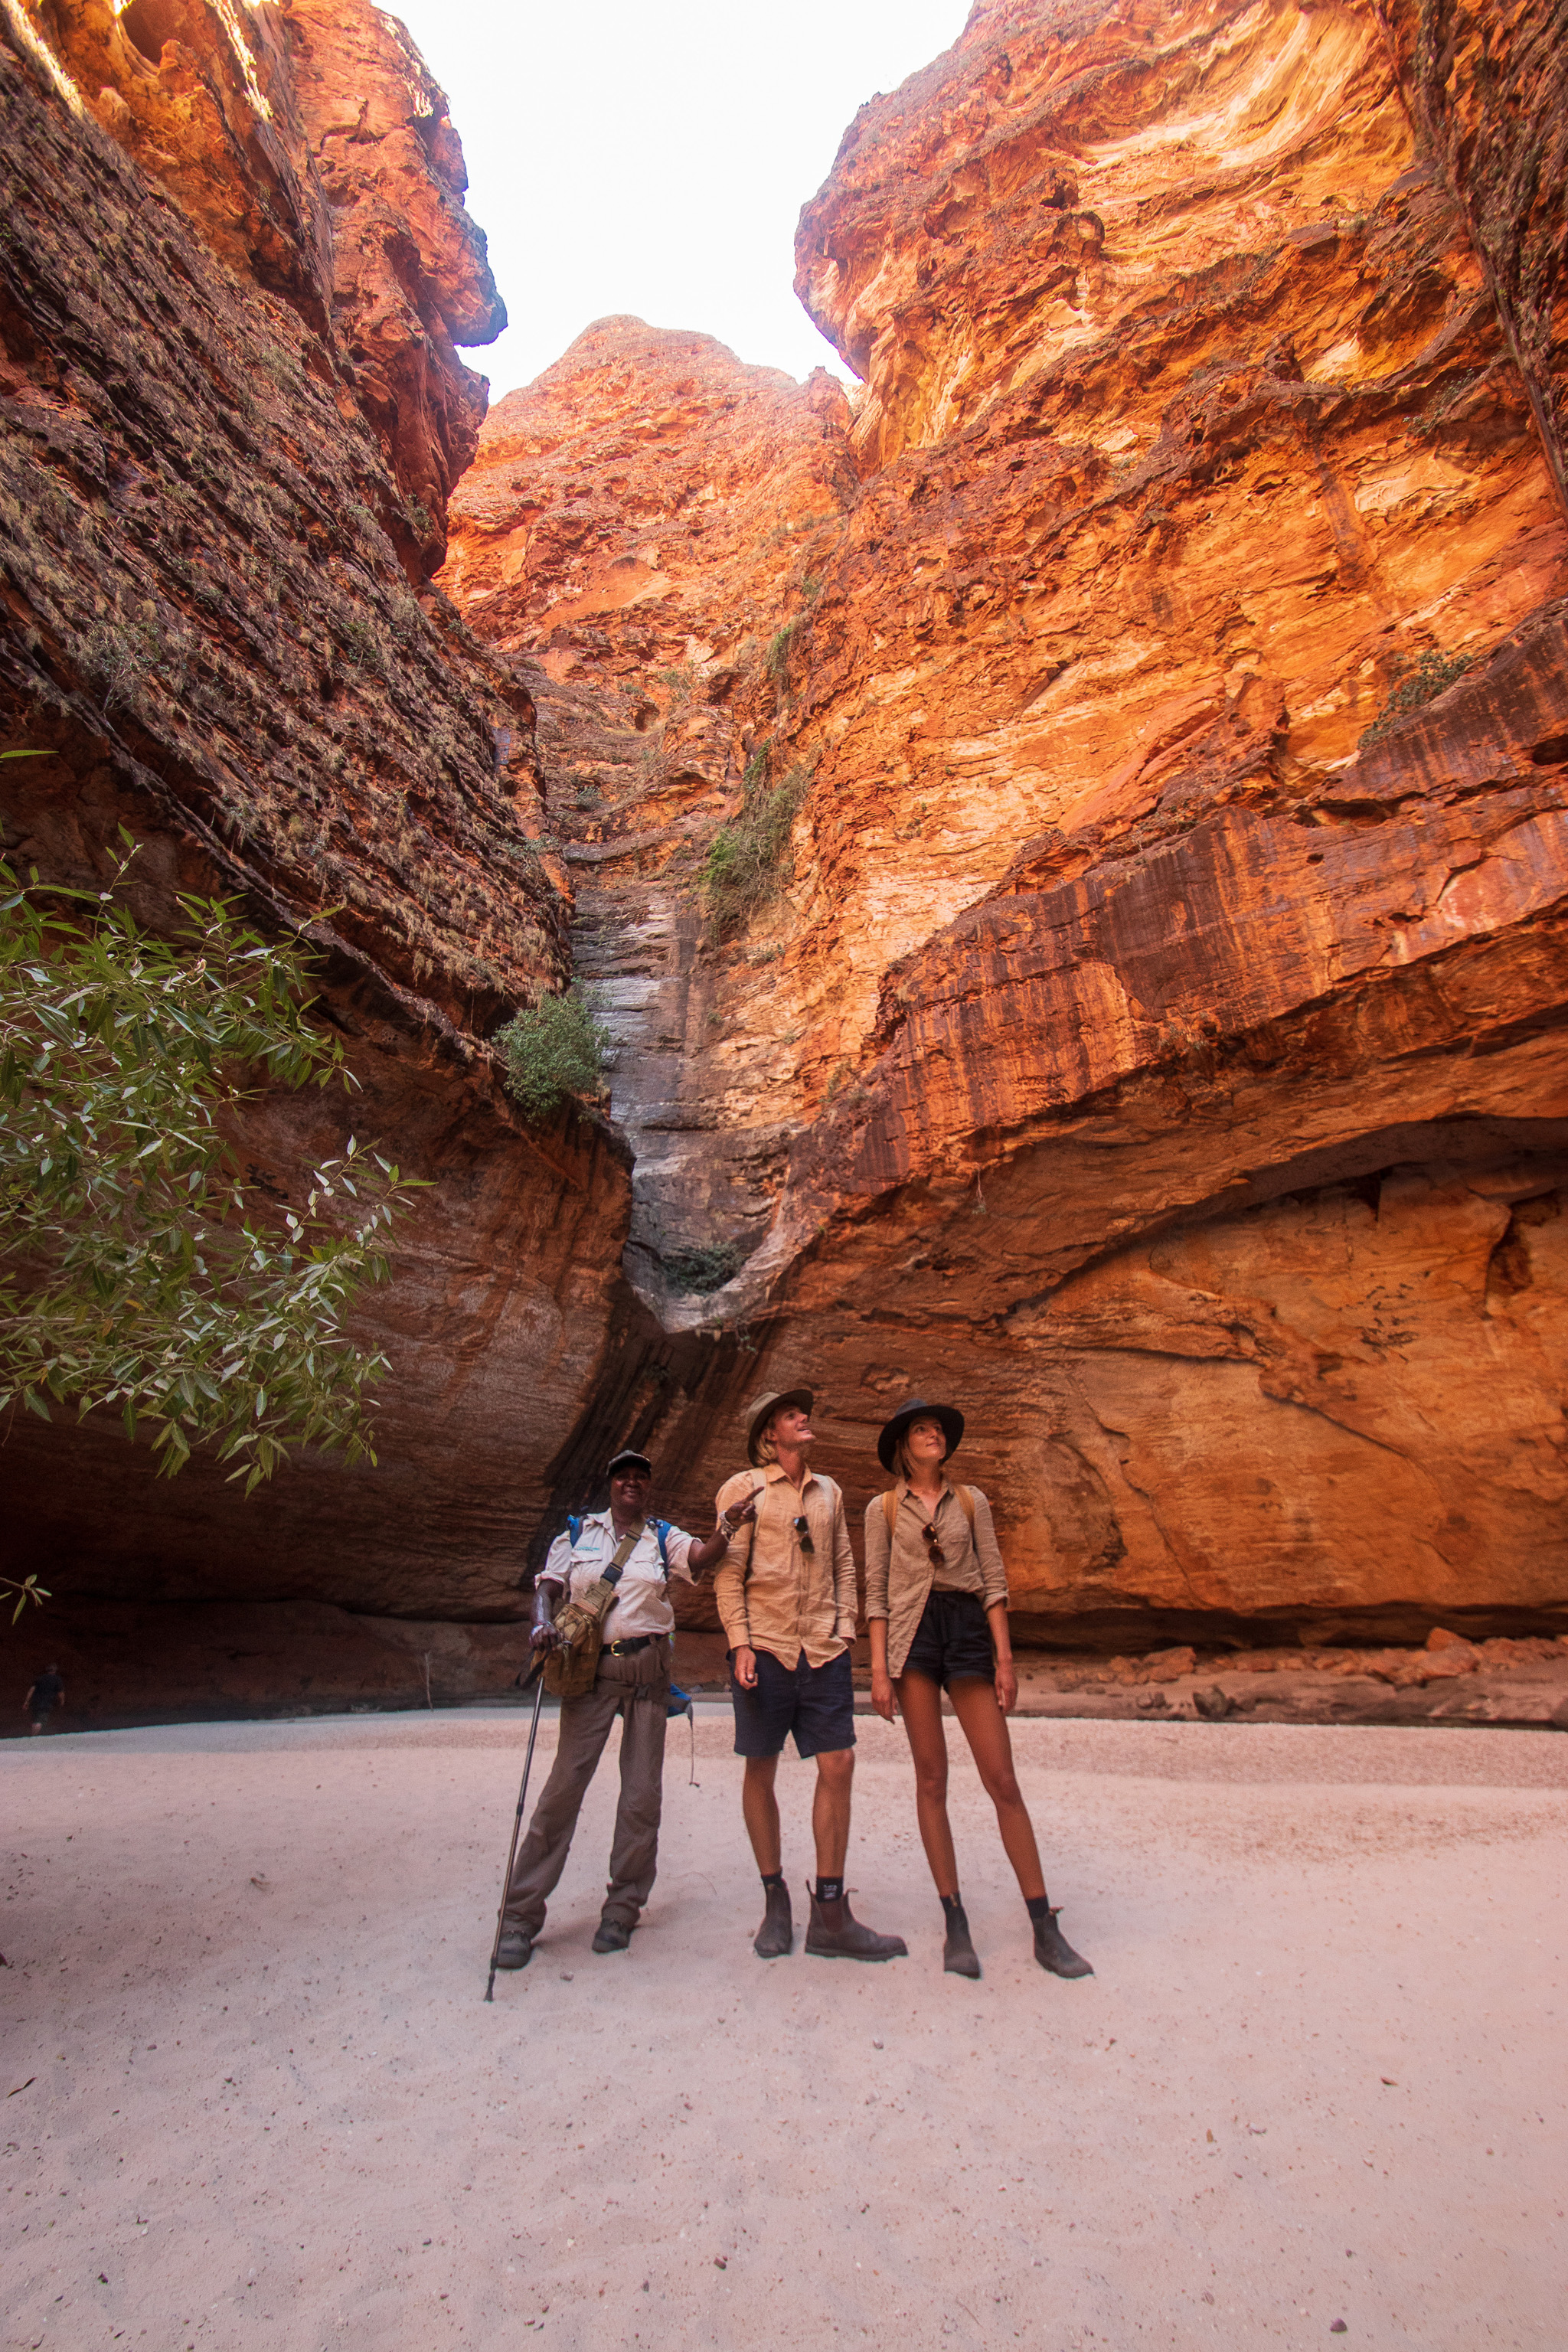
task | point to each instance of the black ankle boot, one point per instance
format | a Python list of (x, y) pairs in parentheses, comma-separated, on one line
[(1054, 1952), (959, 1957)]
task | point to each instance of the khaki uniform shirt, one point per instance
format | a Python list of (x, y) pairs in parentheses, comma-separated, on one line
[(641, 1604), (899, 1574), (772, 1595)]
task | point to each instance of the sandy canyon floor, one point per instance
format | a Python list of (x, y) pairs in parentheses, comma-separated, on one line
[(256, 2099)]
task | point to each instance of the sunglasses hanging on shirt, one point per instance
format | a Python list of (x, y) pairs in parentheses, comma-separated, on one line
[(802, 1531)]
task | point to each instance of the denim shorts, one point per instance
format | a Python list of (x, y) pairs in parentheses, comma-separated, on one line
[(816, 1703), (952, 1638)]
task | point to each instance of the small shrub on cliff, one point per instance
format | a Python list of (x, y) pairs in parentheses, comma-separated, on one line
[(553, 1050), (776, 659), (705, 1269), (135, 1271), (748, 859), (1411, 686)]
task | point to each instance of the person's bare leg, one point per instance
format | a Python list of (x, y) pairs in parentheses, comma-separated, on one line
[(835, 1933), (760, 1810), (830, 1810), (920, 1703), (985, 1729)]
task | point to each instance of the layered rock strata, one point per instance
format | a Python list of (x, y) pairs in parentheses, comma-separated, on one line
[(233, 264), (1156, 1042)]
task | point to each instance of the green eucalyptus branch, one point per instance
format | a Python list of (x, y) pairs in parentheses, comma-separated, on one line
[(133, 1270)]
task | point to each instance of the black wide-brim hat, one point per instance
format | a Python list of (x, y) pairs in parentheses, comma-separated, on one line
[(762, 1412), (916, 1409)]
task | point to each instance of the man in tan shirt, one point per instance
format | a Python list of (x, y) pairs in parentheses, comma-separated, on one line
[(787, 1603)]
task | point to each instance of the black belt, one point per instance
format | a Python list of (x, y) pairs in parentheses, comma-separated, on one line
[(625, 1649)]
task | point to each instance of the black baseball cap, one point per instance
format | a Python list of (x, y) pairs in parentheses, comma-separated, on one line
[(628, 1458)]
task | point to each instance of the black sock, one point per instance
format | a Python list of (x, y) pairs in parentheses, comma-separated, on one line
[(952, 1907), (773, 1878), (1038, 1907), (829, 1890)]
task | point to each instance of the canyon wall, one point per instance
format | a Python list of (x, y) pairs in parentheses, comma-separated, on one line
[(233, 269), (1067, 839), (1152, 1040)]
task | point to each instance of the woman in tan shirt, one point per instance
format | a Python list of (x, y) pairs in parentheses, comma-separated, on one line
[(936, 1602)]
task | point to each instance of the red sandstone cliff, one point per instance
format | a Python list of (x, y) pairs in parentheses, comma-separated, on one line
[(1157, 1045), (1153, 1039), (234, 262)]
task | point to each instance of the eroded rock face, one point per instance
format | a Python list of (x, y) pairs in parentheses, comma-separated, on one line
[(642, 533), (235, 260), (1150, 1036), (1179, 694)]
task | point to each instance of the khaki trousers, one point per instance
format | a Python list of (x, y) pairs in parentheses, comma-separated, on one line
[(640, 1686)]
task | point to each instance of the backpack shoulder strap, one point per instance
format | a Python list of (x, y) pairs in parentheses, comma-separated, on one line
[(574, 1526), (661, 1528), (891, 1509), (966, 1503)]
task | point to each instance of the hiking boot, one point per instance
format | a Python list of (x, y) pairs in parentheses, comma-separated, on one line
[(958, 1957), (775, 1937), (835, 1933), (515, 1950), (1054, 1952), (611, 1935)]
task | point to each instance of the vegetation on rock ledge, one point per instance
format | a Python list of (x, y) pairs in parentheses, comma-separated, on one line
[(553, 1050), (748, 859), (1411, 684), (704, 1269)]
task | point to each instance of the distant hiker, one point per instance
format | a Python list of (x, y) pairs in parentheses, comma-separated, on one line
[(787, 1602), (936, 1602), (631, 1680), (45, 1696)]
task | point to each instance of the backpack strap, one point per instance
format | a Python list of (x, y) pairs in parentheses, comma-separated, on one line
[(891, 1509), (966, 1503), (661, 1528), (574, 1526)]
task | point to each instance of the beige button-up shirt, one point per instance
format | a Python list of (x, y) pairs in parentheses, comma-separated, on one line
[(900, 1573), (774, 1596)]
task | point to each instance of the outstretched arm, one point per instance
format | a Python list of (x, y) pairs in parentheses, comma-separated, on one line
[(714, 1547)]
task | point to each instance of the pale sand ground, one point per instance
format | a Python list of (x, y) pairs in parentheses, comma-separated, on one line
[(283, 2117)]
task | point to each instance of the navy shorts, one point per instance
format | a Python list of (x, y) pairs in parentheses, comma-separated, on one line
[(816, 1703), (952, 1638)]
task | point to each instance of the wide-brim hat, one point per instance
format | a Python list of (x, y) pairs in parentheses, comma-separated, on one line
[(916, 1409), (628, 1458), (763, 1410)]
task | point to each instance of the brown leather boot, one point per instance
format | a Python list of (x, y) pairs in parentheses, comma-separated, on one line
[(835, 1933), (775, 1937)]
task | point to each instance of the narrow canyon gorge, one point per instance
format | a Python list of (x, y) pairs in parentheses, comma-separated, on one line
[(1142, 700)]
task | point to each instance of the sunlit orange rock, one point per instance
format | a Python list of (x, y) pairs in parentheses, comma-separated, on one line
[(1153, 1041)]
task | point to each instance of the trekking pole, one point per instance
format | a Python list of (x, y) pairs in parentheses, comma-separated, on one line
[(517, 1824)]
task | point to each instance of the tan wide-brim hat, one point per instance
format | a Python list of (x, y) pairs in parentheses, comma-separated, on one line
[(760, 1414)]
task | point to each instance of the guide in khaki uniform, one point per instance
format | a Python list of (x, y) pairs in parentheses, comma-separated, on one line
[(631, 1679), (787, 1602)]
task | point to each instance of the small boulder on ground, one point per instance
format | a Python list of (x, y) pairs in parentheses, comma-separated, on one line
[(1169, 1665)]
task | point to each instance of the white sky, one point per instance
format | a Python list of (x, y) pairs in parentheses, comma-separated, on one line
[(634, 155)]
